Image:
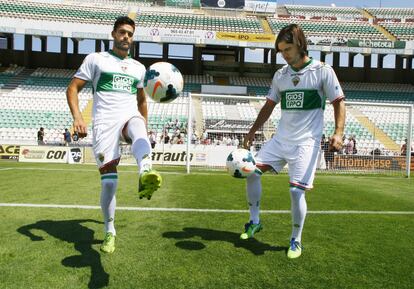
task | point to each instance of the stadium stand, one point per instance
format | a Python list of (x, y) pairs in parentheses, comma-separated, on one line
[(160, 114), (402, 31), (355, 91), (379, 92), (200, 22), (60, 12), (53, 72), (213, 110), (391, 121), (41, 101), (141, 3), (320, 11), (396, 13), (330, 28), (37, 98), (250, 81)]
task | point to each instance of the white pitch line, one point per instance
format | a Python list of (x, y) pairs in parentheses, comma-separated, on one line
[(192, 210), (96, 171), (5, 169)]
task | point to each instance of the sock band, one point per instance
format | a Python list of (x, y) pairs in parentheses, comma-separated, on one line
[(109, 176)]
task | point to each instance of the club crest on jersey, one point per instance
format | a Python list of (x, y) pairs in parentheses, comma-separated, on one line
[(295, 80), (124, 68), (294, 99), (122, 82)]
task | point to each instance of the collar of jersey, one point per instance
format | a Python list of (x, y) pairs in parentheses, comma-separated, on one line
[(110, 51), (304, 65)]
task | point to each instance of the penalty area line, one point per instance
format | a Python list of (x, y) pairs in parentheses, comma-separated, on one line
[(194, 210)]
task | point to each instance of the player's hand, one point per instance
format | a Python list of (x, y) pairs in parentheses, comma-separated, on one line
[(248, 140), (336, 143), (80, 126)]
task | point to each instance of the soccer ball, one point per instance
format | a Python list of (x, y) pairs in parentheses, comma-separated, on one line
[(163, 82), (240, 163)]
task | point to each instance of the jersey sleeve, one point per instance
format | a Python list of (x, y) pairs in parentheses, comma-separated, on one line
[(87, 70), (274, 92), (331, 86)]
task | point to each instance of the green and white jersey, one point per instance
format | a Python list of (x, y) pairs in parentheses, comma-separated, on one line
[(302, 95), (115, 84)]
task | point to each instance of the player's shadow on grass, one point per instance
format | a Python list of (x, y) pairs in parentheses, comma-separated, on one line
[(254, 246), (72, 231)]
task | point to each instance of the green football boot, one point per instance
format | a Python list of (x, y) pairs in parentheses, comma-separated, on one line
[(108, 245), (149, 182), (250, 229)]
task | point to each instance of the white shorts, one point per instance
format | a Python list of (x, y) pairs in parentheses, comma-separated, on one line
[(301, 160), (106, 139)]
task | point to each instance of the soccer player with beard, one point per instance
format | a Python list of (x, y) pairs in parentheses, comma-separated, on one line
[(119, 112)]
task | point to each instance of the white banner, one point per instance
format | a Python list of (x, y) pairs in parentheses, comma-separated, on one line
[(200, 155), (46, 154), (158, 33), (261, 5), (43, 154), (327, 40)]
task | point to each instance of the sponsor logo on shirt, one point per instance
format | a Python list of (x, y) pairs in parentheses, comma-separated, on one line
[(294, 99), (122, 82)]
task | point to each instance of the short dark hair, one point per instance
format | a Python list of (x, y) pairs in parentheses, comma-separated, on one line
[(121, 20), (293, 34)]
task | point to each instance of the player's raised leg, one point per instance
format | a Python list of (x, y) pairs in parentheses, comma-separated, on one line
[(149, 179)]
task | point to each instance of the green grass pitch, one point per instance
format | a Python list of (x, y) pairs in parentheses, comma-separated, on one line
[(59, 247)]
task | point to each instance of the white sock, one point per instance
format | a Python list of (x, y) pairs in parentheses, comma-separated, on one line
[(109, 184), (298, 210), (254, 193), (141, 147)]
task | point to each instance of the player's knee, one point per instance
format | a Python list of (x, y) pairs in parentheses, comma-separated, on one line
[(135, 129), (295, 191), (108, 185)]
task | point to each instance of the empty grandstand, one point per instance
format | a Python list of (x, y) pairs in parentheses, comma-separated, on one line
[(371, 50)]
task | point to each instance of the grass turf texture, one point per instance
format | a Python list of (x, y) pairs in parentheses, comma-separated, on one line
[(198, 249)]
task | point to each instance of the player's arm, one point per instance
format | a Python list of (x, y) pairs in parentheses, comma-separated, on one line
[(339, 115), (72, 92), (142, 103), (263, 116), (333, 90)]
